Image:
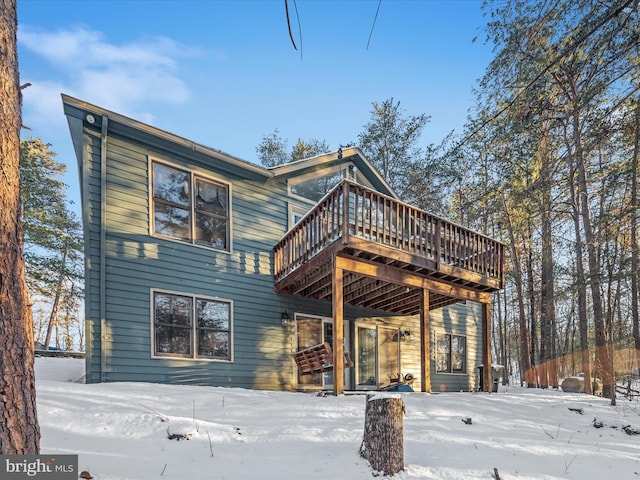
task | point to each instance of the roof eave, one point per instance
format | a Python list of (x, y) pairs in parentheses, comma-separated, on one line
[(163, 134), (294, 167)]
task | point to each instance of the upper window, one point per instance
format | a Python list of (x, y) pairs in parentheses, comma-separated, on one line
[(190, 208), (316, 185), (451, 354), (191, 327), (316, 188)]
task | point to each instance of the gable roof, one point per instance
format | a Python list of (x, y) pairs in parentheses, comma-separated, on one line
[(74, 107), (348, 154), (80, 111)]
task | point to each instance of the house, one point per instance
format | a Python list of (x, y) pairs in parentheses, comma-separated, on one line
[(205, 269)]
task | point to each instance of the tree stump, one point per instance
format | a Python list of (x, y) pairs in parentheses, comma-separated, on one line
[(383, 441)]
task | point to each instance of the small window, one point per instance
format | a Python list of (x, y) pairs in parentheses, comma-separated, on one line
[(296, 212), (191, 327), (190, 208), (451, 354)]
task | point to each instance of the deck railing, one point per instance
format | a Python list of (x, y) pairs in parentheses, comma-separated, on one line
[(353, 210)]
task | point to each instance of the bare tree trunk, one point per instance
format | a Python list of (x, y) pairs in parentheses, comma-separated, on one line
[(573, 335), (53, 317), (502, 343), (19, 430), (538, 370), (581, 282), (602, 350), (525, 359), (635, 218), (547, 295)]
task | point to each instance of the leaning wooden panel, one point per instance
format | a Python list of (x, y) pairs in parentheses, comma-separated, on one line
[(316, 359)]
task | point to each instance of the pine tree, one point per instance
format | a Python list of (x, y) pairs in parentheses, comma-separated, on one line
[(389, 140), (19, 429), (52, 234)]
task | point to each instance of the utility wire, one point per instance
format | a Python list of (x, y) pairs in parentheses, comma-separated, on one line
[(295, 4), (286, 9), (615, 12), (374, 23)]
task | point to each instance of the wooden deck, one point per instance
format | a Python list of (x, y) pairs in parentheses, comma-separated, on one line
[(389, 251)]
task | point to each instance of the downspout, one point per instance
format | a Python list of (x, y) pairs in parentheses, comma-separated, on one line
[(103, 256)]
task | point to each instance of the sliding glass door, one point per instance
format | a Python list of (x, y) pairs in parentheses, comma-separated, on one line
[(377, 356)]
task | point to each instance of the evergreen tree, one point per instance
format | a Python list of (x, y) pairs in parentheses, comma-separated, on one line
[(272, 150), (52, 234), (390, 142)]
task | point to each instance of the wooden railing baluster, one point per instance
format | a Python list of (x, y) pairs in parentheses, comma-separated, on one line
[(352, 209)]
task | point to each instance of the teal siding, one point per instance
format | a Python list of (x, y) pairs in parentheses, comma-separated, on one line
[(458, 319), (137, 263)]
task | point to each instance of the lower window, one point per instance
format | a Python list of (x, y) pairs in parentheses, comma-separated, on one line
[(451, 353), (188, 326)]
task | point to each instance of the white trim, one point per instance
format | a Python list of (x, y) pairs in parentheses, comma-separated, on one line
[(293, 167), (296, 209), (296, 317), (356, 359), (317, 174), (322, 172), (194, 357), (356, 346), (360, 179), (143, 127), (193, 174)]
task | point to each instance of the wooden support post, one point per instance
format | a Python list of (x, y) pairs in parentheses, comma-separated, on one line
[(345, 212), (383, 441), (338, 329), (487, 383), (425, 345)]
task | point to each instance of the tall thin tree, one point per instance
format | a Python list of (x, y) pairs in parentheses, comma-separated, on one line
[(19, 429), (635, 218)]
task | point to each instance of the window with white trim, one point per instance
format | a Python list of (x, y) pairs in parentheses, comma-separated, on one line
[(296, 212), (188, 326), (189, 207), (451, 353), (316, 185)]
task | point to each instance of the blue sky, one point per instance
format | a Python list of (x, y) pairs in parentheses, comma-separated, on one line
[(224, 73)]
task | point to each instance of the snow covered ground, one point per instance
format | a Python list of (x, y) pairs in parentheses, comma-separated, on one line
[(120, 431)]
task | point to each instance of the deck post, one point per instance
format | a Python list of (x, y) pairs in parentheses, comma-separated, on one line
[(338, 329), (487, 383), (425, 345), (345, 212)]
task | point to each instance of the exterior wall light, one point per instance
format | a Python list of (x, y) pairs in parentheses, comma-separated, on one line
[(284, 319)]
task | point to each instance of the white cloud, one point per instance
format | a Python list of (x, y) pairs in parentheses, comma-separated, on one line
[(122, 77), (85, 48), (42, 106)]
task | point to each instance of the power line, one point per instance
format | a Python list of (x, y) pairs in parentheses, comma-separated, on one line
[(286, 9), (615, 12), (295, 4), (374, 23)]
